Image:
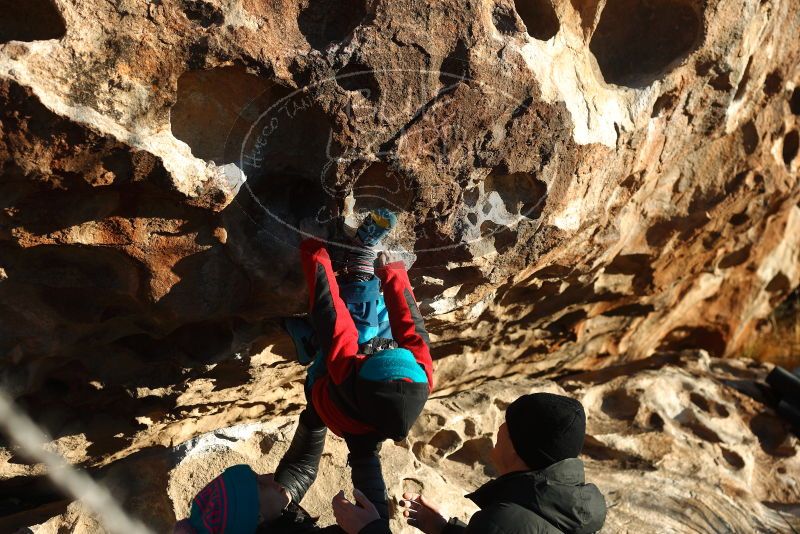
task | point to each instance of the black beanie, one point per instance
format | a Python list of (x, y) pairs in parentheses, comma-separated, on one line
[(546, 428)]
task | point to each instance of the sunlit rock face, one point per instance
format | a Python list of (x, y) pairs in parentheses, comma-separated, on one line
[(583, 183), (678, 442)]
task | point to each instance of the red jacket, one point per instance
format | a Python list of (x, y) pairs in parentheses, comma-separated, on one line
[(338, 336)]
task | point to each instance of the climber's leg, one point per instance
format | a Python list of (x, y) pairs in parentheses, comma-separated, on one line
[(361, 299), (335, 332), (359, 260), (359, 287), (365, 470)]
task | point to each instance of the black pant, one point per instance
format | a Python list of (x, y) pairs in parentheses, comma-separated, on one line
[(298, 468), (365, 469), (310, 416)]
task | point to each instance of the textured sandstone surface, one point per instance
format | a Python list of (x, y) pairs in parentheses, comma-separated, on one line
[(674, 447), (583, 184)]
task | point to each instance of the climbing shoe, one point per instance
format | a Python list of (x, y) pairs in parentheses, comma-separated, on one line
[(376, 226)]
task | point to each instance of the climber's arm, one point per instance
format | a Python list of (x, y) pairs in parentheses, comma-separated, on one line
[(408, 328), (335, 329)]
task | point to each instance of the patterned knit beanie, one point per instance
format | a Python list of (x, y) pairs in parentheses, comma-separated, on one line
[(228, 504)]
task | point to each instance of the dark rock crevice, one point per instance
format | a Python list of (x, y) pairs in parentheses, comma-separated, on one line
[(358, 77), (539, 16), (637, 41), (203, 13), (30, 20), (790, 146), (324, 22)]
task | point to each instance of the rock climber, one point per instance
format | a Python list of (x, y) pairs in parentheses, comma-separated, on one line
[(541, 488), (372, 374), (241, 502)]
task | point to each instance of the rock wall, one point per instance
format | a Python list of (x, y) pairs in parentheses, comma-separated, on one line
[(676, 443), (582, 183)]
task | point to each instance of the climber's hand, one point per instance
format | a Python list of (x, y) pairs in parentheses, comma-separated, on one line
[(422, 513), (273, 498), (353, 517)]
